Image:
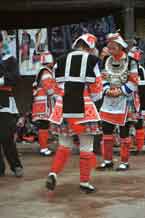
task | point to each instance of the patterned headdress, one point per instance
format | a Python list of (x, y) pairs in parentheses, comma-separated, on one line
[(88, 38), (116, 37)]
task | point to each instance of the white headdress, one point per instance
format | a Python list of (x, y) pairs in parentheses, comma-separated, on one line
[(116, 37), (88, 38)]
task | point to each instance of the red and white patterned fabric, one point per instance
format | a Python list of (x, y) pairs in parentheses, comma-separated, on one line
[(42, 95), (118, 110), (88, 38), (89, 124)]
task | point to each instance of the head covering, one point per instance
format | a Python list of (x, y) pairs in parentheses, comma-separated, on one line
[(116, 37), (46, 58), (88, 38)]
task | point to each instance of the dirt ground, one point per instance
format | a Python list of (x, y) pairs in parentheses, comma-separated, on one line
[(119, 194)]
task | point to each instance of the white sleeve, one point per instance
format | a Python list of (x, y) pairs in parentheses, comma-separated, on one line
[(2, 81), (96, 70)]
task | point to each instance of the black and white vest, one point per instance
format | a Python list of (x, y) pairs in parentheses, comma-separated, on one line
[(75, 70)]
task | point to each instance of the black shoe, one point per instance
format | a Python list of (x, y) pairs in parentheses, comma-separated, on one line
[(87, 188), (51, 182), (123, 167), (105, 166), (18, 171)]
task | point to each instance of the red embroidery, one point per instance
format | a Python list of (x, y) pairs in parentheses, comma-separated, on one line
[(90, 114), (51, 84), (113, 118), (57, 113), (39, 108), (91, 39), (96, 87)]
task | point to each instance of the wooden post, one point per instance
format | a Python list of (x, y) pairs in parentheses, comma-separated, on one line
[(129, 19)]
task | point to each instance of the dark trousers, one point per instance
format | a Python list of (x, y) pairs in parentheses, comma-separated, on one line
[(97, 144), (108, 129), (139, 124), (42, 124), (7, 144)]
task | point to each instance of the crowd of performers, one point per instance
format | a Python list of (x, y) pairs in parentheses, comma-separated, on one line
[(81, 94)]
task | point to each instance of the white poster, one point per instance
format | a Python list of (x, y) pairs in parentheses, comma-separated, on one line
[(32, 42)]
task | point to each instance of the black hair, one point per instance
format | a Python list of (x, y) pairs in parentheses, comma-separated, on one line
[(81, 43)]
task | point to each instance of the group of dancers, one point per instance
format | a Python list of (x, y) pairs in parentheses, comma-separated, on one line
[(66, 95), (65, 98)]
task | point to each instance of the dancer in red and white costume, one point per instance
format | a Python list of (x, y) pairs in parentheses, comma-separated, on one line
[(120, 83), (77, 73), (136, 53), (42, 101)]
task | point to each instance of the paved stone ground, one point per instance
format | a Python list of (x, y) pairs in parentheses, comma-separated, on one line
[(119, 194)]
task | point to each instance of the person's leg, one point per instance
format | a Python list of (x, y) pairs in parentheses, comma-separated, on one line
[(9, 146), (97, 144), (87, 162), (2, 164), (43, 137), (107, 146), (11, 153), (76, 145), (124, 147), (59, 161), (140, 135)]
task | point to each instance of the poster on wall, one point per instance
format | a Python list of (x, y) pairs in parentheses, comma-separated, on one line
[(32, 42), (62, 37), (99, 27), (9, 42), (58, 39)]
